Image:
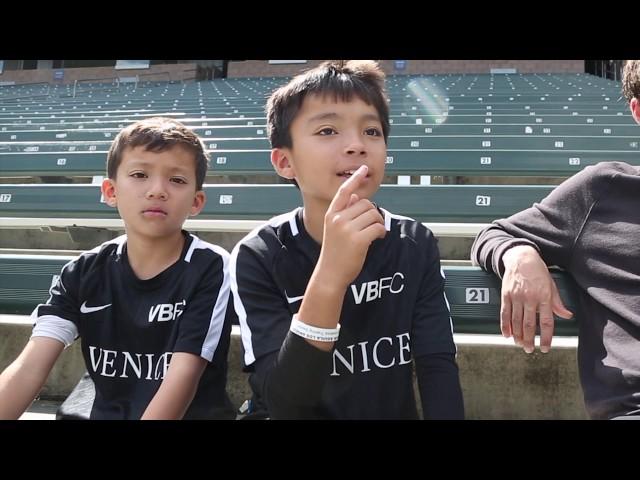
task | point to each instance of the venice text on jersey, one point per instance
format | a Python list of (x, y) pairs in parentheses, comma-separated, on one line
[(385, 352), (111, 363)]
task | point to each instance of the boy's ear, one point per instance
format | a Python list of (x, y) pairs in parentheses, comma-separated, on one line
[(198, 203), (109, 192), (280, 161), (634, 104)]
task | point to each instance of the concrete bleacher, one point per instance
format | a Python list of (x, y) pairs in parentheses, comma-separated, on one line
[(534, 128)]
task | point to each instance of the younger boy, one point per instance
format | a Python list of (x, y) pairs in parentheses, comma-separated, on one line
[(149, 305), (337, 298)]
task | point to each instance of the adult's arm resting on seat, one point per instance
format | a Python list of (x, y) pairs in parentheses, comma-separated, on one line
[(551, 228)]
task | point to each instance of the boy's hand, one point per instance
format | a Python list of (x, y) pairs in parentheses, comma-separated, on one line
[(350, 225)]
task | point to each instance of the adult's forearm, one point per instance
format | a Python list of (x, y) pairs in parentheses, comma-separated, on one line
[(490, 245)]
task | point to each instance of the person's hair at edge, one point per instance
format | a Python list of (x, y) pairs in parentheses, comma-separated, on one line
[(631, 79), (342, 79), (157, 134)]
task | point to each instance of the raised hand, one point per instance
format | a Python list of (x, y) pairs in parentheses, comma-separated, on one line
[(350, 225)]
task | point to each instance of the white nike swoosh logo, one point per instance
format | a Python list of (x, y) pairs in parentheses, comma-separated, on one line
[(293, 299), (85, 309)]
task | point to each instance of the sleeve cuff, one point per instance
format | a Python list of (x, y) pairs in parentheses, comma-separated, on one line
[(498, 266)]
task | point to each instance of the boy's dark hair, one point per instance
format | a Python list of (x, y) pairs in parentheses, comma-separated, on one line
[(158, 134), (340, 78), (631, 79)]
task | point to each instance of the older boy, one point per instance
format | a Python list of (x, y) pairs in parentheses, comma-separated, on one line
[(337, 298)]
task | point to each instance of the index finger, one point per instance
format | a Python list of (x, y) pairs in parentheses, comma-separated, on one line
[(343, 195)]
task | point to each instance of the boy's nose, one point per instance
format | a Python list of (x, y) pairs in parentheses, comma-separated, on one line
[(356, 147), (156, 192)]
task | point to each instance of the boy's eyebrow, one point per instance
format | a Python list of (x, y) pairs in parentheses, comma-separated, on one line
[(332, 115), (135, 163)]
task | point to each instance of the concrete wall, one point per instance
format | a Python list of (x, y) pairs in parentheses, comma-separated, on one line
[(262, 68), (501, 382)]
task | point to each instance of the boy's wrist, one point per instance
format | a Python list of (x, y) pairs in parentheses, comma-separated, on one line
[(326, 286), (326, 280)]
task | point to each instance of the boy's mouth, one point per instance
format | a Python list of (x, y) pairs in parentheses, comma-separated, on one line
[(154, 212), (348, 173)]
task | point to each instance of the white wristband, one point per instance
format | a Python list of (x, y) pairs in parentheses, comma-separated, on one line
[(314, 333)]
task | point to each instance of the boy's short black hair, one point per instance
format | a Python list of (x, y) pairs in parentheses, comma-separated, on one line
[(158, 134), (340, 78), (631, 80)]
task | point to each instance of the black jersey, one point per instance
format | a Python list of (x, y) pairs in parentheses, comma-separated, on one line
[(129, 328), (394, 311)]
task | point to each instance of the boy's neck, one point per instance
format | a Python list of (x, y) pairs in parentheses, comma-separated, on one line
[(313, 216), (150, 257)]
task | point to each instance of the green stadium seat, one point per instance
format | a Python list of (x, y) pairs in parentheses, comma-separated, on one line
[(473, 295)]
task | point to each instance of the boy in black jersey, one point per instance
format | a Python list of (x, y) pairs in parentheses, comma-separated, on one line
[(337, 298), (149, 306)]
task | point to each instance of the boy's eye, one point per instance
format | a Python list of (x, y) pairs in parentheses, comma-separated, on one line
[(138, 175), (179, 180), (374, 132), (327, 131)]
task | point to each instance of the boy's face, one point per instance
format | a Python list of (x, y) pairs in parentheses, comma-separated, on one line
[(155, 191), (330, 141)]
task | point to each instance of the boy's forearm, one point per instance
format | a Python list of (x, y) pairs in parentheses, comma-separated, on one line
[(17, 390), (322, 304), (23, 379), (439, 384), (178, 388), (293, 387)]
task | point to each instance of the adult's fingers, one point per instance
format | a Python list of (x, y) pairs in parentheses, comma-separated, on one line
[(546, 327), (529, 327), (505, 317)]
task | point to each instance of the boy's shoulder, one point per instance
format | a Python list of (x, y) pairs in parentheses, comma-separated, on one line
[(103, 251), (271, 234), (92, 261), (401, 227), (198, 247)]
